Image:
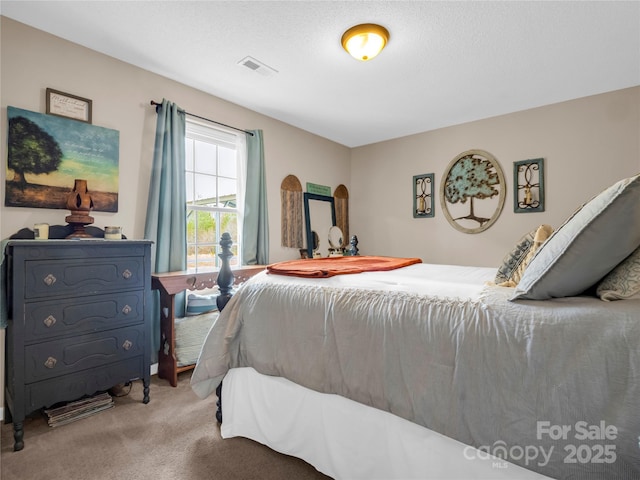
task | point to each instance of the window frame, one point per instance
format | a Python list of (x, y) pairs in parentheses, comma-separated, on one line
[(203, 132)]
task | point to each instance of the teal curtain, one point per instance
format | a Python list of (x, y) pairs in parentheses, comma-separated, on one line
[(166, 208), (255, 224)]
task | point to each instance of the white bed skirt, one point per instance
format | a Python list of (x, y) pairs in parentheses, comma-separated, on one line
[(347, 440)]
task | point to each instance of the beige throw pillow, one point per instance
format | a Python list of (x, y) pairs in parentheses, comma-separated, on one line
[(515, 262), (623, 281)]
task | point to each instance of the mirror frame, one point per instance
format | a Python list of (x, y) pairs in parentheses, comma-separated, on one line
[(322, 198)]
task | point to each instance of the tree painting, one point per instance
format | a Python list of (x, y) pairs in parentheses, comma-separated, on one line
[(31, 150), (45, 155), (474, 176)]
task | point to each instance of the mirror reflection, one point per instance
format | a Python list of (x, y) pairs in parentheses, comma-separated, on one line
[(320, 216)]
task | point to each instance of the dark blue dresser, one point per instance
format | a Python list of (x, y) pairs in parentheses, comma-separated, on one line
[(79, 321)]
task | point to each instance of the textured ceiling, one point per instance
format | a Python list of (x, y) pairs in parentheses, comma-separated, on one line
[(446, 62)]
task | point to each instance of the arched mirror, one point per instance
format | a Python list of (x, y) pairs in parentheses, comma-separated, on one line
[(320, 216)]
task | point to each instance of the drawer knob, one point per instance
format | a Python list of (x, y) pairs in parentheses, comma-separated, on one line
[(127, 274), (50, 321), (126, 309), (49, 279), (51, 362), (127, 345)]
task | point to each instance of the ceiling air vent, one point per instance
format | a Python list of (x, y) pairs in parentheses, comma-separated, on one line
[(257, 66)]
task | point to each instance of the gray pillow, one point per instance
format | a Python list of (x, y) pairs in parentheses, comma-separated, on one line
[(595, 239)]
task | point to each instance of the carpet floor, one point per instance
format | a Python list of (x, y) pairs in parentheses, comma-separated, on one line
[(174, 437)]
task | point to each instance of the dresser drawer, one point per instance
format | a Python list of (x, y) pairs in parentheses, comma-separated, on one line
[(76, 385), (53, 318), (83, 276), (69, 355)]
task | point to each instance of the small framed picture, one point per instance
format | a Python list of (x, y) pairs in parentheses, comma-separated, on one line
[(69, 106), (423, 196)]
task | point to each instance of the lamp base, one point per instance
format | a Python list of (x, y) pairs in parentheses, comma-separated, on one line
[(78, 222)]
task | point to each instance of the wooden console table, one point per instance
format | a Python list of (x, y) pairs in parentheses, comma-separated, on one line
[(171, 283)]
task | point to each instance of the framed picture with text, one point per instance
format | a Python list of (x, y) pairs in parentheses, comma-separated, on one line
[(68, 106)]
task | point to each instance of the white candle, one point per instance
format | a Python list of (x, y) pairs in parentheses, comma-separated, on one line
[(41, 231), (113, 233)]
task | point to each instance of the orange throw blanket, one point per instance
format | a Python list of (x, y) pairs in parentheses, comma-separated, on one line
[(330, 266)]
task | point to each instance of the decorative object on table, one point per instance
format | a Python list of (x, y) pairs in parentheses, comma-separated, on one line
[(80, 203), (59, 232), (353, 250), (41, 231), (341, 199), (528, 186), (423, 196), (473, 191), (46, 151), (69, 106), (336, 240), (112, 233), (291, 212)]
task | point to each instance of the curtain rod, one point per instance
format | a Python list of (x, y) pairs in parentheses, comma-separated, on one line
[(207, 119)]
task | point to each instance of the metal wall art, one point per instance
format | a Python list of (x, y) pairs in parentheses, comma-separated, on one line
[(423, 196), (528, 186), (473, 191)]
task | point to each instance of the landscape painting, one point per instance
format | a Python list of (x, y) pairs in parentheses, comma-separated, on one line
[(47, 153)]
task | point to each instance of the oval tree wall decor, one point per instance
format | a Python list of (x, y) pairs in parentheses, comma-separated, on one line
[(472, 192)]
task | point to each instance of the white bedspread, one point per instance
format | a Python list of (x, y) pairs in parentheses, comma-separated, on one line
[(434, 345)]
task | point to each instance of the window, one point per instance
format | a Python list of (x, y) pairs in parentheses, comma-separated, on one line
[(213, 193)]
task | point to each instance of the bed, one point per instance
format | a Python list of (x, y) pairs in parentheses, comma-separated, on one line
[(438, 371)]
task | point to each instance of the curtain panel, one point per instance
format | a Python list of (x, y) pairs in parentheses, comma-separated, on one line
[(165, 224), (255, 223)]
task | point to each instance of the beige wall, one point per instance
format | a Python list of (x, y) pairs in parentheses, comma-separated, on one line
[(587, 144), (33, 60)]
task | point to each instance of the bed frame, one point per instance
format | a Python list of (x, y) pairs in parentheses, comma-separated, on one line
[(171, 283)]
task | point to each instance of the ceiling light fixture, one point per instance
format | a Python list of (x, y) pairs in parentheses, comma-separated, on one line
[(365, 41)]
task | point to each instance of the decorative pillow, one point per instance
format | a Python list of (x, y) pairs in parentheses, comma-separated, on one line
[(595, 239), (190, 335), (623, 281), (197, 304), (515, 262)]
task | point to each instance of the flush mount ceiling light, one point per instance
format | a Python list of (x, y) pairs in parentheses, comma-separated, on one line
[(365, 41)]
